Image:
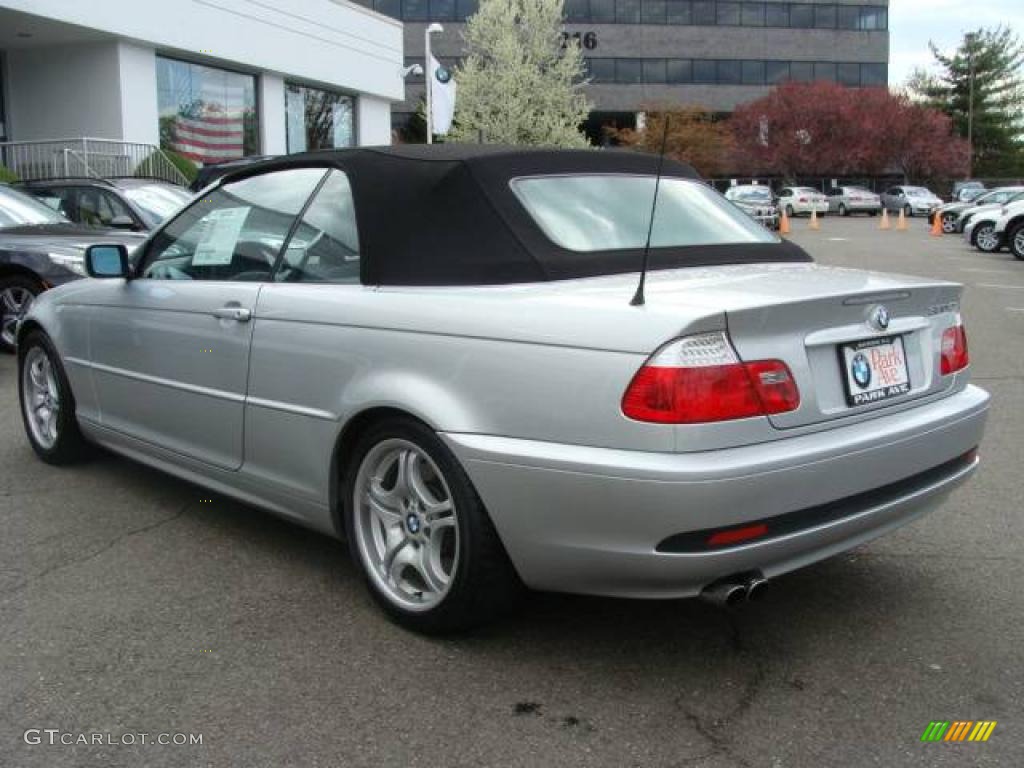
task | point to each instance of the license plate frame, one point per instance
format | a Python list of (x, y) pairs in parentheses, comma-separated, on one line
[(893, 372)]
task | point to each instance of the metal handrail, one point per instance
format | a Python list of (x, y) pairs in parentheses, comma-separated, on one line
[(41, 160)]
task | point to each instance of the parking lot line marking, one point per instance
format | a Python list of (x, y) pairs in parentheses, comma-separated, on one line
[(992, 271), (1014, 309)]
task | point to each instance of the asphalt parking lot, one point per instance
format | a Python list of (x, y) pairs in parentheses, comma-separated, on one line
[(131, 602)]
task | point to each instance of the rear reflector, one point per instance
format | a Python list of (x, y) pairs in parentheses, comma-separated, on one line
[(700, 379), (954, 349), (736, 535)]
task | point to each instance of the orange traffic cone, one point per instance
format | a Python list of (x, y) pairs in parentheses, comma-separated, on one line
[(783, 222), (884, 223), (901, 223), (814, 220), (936, 225)]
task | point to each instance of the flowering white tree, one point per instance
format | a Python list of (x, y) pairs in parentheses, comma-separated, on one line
[(521, 82)]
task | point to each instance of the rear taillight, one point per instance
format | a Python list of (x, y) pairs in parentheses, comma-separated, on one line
[(803, 200), (954, 349), (701, 379)]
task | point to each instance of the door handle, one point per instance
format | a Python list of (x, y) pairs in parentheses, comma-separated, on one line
[(238, 314)]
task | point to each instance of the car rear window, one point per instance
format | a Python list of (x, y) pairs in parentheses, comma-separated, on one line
[(599, 212)]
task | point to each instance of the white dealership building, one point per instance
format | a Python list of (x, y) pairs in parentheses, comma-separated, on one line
[(206, 79)]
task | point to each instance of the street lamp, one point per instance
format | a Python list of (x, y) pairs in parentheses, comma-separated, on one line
[(435, 27), (412, 69)]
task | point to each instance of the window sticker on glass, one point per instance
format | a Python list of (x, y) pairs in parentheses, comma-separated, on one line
[(220, 231)]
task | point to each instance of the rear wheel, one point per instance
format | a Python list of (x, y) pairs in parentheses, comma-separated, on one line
[(842, 210), (17, 293), (430, 554), (985, 237), (1015, 239), (908, 211), (47, 405), (790, 213)]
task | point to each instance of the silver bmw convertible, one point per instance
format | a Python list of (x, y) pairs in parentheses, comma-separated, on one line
[(441, 355)]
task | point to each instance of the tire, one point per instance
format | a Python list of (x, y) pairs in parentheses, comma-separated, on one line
[(790, 213), (17, 293), (1015, 239), (948, 224), (842, 210), (984, 238), (908, 211), (434, 573), (47, 404), (872, 213)]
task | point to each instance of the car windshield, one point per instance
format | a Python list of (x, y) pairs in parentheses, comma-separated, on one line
[(752, 195), (157, 202), (19, 210), (610, 212)]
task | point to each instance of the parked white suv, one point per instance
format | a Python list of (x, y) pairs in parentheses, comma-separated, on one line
[(1009, 228)]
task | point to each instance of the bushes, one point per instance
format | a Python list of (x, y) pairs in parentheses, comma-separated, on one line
[(7, 175), (151, 165)]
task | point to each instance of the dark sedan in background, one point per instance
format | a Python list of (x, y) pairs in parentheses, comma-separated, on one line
[(40, 248), (134, 204)]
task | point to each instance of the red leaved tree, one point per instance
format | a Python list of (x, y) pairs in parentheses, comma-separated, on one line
[(826, 129)]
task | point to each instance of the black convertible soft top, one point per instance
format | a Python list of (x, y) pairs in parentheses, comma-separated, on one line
[(445, 214)]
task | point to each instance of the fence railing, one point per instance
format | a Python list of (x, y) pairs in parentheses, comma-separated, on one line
[(87, 158)]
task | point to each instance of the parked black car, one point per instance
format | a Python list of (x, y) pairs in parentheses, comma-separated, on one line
[(133, 204), (40, 249), (210, 173)]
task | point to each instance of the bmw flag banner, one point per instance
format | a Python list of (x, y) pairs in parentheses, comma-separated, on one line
[(442, 96)]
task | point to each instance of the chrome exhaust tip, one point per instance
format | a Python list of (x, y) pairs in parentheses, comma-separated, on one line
[(757, 588), (727, 593)]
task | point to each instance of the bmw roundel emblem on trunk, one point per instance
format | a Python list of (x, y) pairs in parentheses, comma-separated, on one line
[(878, 318), (861, 370)]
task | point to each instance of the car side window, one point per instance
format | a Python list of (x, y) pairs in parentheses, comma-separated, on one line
[(784, 192), (52, 197), (234, 233), (95, 207), (325, 246)]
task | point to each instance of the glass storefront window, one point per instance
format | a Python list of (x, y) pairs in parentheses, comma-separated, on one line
[(318, 119), (206, 114)]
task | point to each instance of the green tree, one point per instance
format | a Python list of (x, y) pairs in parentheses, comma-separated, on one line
[(522, 80), (981, 87)]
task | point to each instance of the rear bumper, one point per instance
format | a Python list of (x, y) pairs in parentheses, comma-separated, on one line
[(590, 520)]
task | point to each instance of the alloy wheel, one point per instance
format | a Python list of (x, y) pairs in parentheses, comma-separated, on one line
[(1018, 243), (948, 224), (14, 302), (41, 397), (406, 524), (986, 239)]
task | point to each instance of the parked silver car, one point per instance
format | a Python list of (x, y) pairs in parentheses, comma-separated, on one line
[(913, 201), (956, 215), (445, 355), (756, 201), (847, 200)]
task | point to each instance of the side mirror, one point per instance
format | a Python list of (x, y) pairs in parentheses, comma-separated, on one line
[(107, 261), (122, 222)]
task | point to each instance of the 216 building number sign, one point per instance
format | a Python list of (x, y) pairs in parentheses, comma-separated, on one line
[(586, 40)]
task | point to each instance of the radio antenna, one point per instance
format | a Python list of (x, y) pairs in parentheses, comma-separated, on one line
[(638, 297)]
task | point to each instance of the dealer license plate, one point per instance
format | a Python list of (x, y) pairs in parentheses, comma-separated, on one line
[(874, 370)]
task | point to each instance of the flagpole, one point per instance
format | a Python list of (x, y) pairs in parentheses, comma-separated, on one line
[(435, 27)]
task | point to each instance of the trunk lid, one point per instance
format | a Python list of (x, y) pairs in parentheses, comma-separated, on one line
[(805, 315)]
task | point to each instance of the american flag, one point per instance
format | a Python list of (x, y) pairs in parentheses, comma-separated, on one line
[(216, 133)]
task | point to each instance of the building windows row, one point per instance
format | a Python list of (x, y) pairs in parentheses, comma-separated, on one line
[(658, 71), (700, 13), (209, 115)]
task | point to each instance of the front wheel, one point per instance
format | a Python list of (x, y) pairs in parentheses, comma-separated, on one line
[(1015, 239), (47, 405), (843, 211), (430, 554), (948, 224), (17, 293), (985, 238)]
